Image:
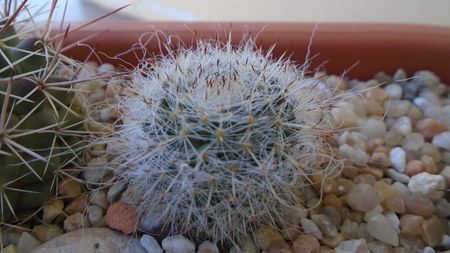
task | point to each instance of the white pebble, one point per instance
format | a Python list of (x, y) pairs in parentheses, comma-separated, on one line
[(27, 243), (403, 125), (428, 250), (395, 221), (413, 141), (425, 183), (178, 244), (95, 214), (150, 244), (309, 227), (357, 156), (398, 159), (352, 246), (394, 90), (396, 108), (397, 176), (422, 103), (373, 128), (442, 140), (207, 247)]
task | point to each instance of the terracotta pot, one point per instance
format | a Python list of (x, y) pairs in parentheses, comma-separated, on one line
[(362, 49)]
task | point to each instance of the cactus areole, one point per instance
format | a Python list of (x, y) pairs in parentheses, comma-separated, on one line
[(218, 139)]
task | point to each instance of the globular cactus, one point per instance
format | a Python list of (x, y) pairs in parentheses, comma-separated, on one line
[(40, 129), (217, 140)]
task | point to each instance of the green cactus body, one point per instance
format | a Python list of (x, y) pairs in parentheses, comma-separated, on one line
[(34, 139)]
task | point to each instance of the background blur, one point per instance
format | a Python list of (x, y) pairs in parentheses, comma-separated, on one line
[(433, 12)]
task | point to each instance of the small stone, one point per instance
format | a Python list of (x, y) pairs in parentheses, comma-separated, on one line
[(363, 197), (446, 242), (105, 68), (333, 241), (311, 228), (373, 128), (396, 108), (442, 140), (415, 113), (99, 198), (393, 138), (413, 141), (91, 240), (427, 184), (349, 229), (150, 244), (394, 90), (419, 205), (265, 236), (75, 221), (77, 205), (94, 214), (443, 208), (379, 247), (52, 210), (357, 156), (122, 216), (422, 103), (428, 250), (398, 159), (115, 191), (398, 176), (95, 170), (446, 156), (278, 247), (430, 164), (10, 249), (97, 96), (325, 224), (411, 243), (365, 179), (410, 224), (352, 246), (47, 232), (426, 78), (430, 127), (178, 244), (414, 167), (446, 174), (27, 243), (373, 108), (381, 228), (399, 75), (306, 244), (432, 151), (363, 232), (403, 125), (248, 245), (207, 247), (70, 188), (379, 160), (433, 230)]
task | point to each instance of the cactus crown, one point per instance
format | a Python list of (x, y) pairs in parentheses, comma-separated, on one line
[(219, 139)]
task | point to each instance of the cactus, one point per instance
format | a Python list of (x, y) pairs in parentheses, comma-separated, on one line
[(40, 127), (218, 140)]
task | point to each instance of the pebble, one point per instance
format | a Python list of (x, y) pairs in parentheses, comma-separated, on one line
[(357, 156), (428, 250), (91, 240), (382, 229), (429, 127), (403, 125), (410, 224), (413, 141), (27, 243), (309, 227), (46, 232), (419, 205), (248, 245), (398, 159), (266, 236), (380, 160), (430, 164), (393, 138), (51, 210), (443, 208), (414, 167), (398, 176), (10, 249), (98, 197), (306, 244), (427, 184), (363, 197), (399, 75), (379, 247), (94, 214), (95, 172), (333, 242), (278, 247), (373, 128), (349, 229), (325, 224), (433, 231), (426, 78), (178, 244), (122, 216), (79, 204), (432, 151), (394, 90), (352, 246), (75, 221), (442, 140), (150, 244), (115, 191), (445, 172), (70, 188), (396, 108), (207, 247)]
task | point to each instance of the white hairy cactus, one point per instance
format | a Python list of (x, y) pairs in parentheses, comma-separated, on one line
[(217, 140)]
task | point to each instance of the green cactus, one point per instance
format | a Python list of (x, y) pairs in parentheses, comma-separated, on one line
[(40, 132)]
